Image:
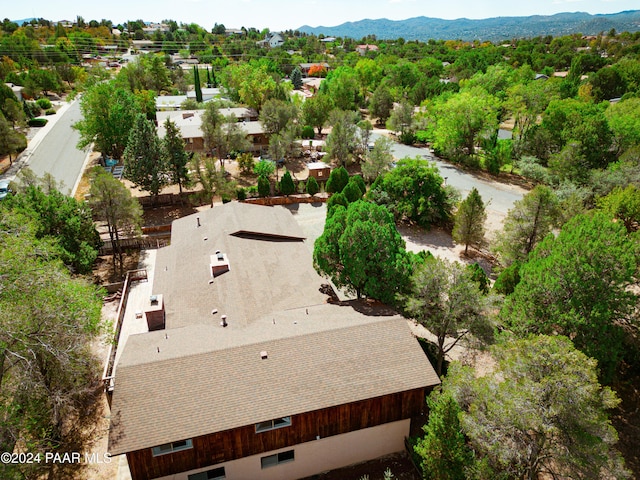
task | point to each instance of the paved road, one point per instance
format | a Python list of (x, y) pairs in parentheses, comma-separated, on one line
[(501, 196), (56, 151)]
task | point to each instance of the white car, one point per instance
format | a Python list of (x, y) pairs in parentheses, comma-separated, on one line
[(4, 188)]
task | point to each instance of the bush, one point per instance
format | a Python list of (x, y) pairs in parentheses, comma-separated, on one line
[(508, 279), (37, 122), (422, 136), (479, 276), (31, 109), (307, 132), (51, 111), (44, 103), (241, 194), (264, 187), (226, 198), (287, 186), (312, 186)]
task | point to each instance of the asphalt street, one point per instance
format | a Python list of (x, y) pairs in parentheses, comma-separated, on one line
[(54, 149), (501, 196)]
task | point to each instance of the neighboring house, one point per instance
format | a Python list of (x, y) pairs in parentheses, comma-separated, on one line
[(190, 124), (17, 90), (363, 49), (319, 170), (272, 40), (251, 372)]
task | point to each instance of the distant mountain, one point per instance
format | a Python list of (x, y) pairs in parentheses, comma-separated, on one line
[(491, 29)]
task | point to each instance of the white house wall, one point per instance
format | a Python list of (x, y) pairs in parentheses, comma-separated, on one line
[(318, 456)]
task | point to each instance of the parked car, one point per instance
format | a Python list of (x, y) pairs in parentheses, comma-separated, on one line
[(4, 188)]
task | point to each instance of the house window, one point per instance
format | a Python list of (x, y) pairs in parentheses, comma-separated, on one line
[(214, 474), (273, 424), (172, 447), (277, 459)]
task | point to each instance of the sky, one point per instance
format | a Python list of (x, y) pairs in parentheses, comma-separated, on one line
[(291, 14)]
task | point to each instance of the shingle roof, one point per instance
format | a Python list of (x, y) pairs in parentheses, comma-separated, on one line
[(204, 378), (162, 401)]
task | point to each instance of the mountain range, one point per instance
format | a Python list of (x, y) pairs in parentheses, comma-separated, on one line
[(490, 29)]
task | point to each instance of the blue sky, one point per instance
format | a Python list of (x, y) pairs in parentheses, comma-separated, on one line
[(290, 14)]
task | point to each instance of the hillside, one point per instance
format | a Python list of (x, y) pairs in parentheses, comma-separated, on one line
[(491, 29)]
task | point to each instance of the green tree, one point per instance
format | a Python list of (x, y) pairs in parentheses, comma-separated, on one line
[(468, 222), (177, 157), (197, 84), (276, 115), (212, 180), (286, 184), (341, 85), (312, 186), (624, 120), (540, 412), (352, 191), (11, 141), (462, 119), (66, 221), (341, 142), (145, 160), (381, 104), (50, 380), (112, 203), (109, 113), (296, 78), (338, 179), (577, 284), (264, 187), (402, 122), (526, 224), (316, 111), (264, 168), (446, 301), (414, 191), (623, 205), (443, 449), (378, 160), (362, 251)]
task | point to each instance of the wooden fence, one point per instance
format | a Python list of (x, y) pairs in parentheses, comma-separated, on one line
[(141, 243)]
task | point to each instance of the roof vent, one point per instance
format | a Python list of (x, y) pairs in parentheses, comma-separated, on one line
[(153, 299), (224, 323), (263, 355)]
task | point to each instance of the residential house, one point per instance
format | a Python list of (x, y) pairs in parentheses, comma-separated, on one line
[(319, 170), (252, 371), (364, 49), (271, 40), (190, 124)]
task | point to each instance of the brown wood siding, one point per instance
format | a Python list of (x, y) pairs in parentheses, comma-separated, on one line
[(243, 442)]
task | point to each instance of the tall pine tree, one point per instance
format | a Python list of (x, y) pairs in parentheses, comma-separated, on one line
[(469, 220)]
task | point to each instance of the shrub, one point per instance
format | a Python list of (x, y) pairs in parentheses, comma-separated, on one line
[(245, 162), (226, 198), (38, 122), (51, 111), (264, 187), (479, 276), (307, 132), (31, 109), (241, 194), (508, 279), (312, 186), (287, 186), (44, 103)]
